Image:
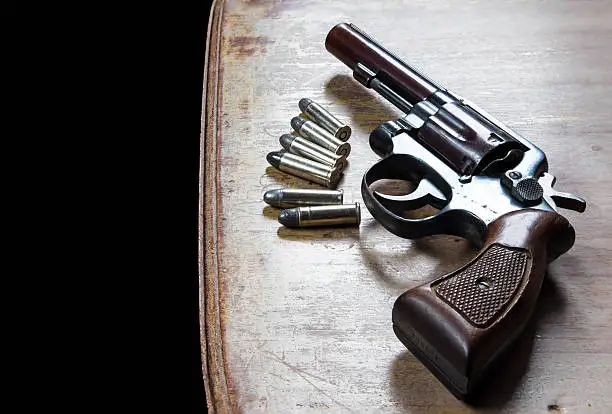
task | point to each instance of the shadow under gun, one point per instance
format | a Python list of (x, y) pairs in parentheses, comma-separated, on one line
[(488, 184)]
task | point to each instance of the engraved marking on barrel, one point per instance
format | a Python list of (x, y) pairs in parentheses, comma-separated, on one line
[(480, 291)]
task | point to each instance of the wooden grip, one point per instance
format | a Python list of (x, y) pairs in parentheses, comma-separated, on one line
[(458, 324)]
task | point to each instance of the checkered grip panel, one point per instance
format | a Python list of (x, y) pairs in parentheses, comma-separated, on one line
[(485, 287)]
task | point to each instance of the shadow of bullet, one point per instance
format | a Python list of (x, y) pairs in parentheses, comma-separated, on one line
[(307, 234), (271, 212)]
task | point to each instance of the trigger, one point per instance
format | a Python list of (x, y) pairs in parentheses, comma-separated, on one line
[(425, 194)]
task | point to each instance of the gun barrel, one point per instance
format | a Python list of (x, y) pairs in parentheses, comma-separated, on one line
[(361, 53)]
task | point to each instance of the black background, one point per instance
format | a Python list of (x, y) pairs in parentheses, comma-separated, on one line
[(193, 90), (166, 154), (112, 140), (189, 72), (137, 75), (105, 115)]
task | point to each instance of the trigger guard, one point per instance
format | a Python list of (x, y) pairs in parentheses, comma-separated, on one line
[(408, 168), (454, 222)]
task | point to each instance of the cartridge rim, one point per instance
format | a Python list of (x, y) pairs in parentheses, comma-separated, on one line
[(334, 177), (344, 149), (341, 164), (343, 133)]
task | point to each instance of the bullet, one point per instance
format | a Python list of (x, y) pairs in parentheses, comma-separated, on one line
[(345, 214), (312, 151), (305, 168), (295, 197), (322, 117), (320, 136)]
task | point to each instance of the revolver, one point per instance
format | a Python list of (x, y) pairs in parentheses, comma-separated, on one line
[(488, 184)]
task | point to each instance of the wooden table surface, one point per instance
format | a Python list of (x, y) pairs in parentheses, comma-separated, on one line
[(300, 320)]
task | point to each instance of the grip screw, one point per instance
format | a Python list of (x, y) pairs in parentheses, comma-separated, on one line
[(484, 283)]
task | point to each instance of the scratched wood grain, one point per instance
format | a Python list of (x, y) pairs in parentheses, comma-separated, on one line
[(300, 320)]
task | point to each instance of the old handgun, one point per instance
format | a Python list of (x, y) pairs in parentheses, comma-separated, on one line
[(489, 184)]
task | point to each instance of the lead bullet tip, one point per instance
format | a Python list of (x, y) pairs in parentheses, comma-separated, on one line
[(274, 158), (304, 103), (272, 197), (297, 122), (286, 140), (289, 217)]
